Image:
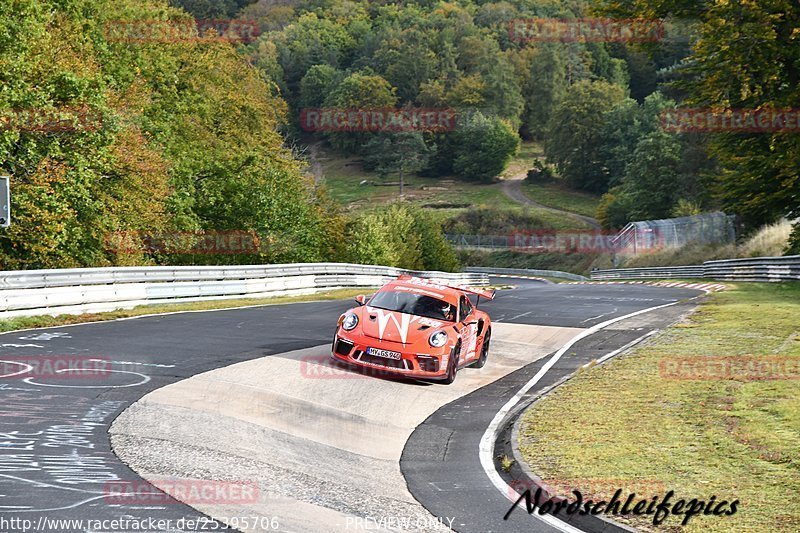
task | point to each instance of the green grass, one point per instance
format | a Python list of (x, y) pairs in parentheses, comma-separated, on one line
[(560, 197), (458, 192), (558, 221), (344, 176), (736, 439), (447, 197), (29, 322), (522, 162)]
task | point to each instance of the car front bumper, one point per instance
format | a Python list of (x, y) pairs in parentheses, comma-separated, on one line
[(352, 349)]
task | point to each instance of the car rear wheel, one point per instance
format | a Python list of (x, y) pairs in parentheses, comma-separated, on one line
[(452, 366), (484, 350)]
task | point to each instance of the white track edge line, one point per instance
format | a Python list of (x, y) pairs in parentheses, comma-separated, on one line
[(486, 447), (618, 351)]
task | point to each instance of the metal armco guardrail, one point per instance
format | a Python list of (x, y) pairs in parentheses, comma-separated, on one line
[(527, 273), (86, 290), (750, 269)]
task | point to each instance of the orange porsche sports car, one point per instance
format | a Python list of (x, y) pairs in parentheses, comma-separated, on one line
[(417, 328)]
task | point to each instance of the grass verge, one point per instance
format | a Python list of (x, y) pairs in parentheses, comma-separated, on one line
[(523, 161), (29, 322), (343, 177), (560, 197), (630, 421)]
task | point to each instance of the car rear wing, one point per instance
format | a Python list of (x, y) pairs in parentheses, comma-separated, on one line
[(481, 293)]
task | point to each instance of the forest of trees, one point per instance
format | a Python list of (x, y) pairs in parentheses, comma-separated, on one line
[(457, 55), (199, 134), (595, 106), (188, 141)]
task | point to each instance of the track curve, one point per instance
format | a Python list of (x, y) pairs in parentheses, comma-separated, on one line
[(55, 457)]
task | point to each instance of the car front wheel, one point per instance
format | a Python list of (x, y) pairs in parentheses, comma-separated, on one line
[(484, 350), (452, 366)]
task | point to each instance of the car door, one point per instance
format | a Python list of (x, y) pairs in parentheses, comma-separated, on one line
[(469, 329)]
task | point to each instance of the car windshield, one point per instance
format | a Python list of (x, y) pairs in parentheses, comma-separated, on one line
[(414, 304)]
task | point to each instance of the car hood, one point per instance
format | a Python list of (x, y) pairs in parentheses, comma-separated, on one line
[(392, 326)]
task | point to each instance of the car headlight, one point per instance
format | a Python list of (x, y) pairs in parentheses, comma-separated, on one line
[(350, 321), (438, 339)]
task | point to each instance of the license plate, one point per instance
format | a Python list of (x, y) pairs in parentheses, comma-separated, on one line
[(383, 353)]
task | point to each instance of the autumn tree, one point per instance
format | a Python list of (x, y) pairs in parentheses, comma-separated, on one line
[(745, 57)]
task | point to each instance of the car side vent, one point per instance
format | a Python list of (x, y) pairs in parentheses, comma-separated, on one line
[(423, 328)]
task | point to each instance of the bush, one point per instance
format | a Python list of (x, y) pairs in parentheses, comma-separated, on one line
[(437, 254), (793, 248), (540, 173), (614, 208), (401, 237), (480, 148), (769, 241), (574, 263), (493, 221)]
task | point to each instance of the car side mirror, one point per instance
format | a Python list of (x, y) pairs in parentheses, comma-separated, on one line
[(361, 299)]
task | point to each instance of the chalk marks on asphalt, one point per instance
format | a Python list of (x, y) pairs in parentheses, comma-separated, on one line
[(54, 457), (11, 345), (45, 336), (48, 439), (24, 370), (144, 379), (134, 363)]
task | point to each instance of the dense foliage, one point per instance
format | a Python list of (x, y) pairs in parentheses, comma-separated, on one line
[(190, 135), (595, 106), (211, 9), (168, 137), (402, 237), (746, 56), (430, 55), (184, 139)]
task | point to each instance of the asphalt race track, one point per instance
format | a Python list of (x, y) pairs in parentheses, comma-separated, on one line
[(56, 460)]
